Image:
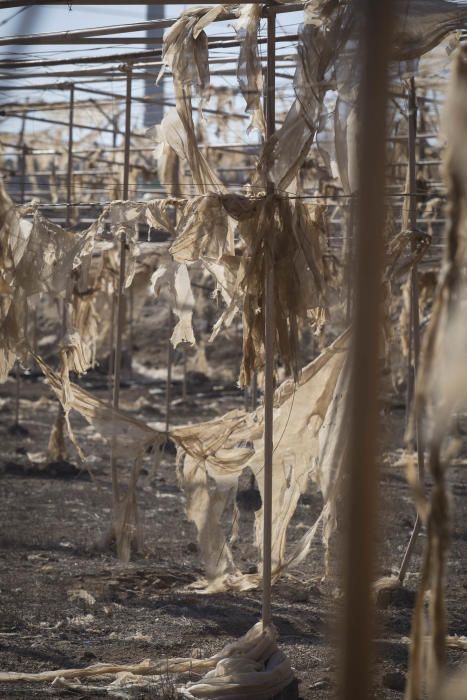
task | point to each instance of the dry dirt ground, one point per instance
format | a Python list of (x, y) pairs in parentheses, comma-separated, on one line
[(52, 519)]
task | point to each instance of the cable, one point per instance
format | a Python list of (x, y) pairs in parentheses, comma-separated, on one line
[(15, 14)]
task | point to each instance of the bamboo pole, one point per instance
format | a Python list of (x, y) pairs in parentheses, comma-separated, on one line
[(363, 406), (269, 340), (414, 319)]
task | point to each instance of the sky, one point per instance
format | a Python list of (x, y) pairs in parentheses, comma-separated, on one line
[(39, 19)]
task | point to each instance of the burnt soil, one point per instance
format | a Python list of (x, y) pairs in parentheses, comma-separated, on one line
[(54, 516)]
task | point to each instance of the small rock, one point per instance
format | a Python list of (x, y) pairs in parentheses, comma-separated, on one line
[(289, 693), (252, 569), (294, 593), (300, 595), (314, 591), (18, 429), (395, 597), (394, 680), (192, 547), (323, 683)]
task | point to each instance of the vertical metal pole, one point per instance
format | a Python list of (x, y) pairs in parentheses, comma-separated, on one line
[(130, 330), (23, 174), (362, 464), (18, 393), (69, 167), (412, 166), (254, 392), (121, 279), (170, 351), (35, 343), (168, 386), (22, 159), (111, 346), (414, 316), (127, 142), (22, 199), (269, 335), (184, 382)]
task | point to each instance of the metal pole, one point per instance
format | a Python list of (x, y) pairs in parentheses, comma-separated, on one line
[(130, 330), (69, 167), (168, 387), (111, 346), (175, 191), (22, 170), (254, 392), (22, 197), (121, 279), (414, 317), (184, 382), (269, 337)]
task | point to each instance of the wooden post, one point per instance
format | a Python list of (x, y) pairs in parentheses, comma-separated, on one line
[(362, 464), (69, 166), (269, 336), (414, 317)]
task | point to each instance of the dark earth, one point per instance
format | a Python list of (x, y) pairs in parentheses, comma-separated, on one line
[(55, 516)]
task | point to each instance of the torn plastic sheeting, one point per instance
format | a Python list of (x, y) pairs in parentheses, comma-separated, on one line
[(185, 51), (423, 24), (325, 27), (218, 451), (295, 232), (132, 437), (173, 278), (221, 449), (51, 254), (251, 668), (249, 68), (202, 231)]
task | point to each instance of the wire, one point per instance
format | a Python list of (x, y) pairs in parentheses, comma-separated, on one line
[(15, 14)]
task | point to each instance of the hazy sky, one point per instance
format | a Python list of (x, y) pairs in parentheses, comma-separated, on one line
[(39, 19)]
